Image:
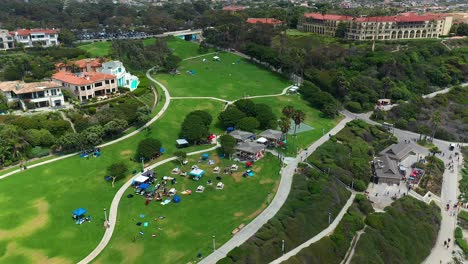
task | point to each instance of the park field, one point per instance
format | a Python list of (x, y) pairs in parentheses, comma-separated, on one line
[(231, 78), (188, 226)]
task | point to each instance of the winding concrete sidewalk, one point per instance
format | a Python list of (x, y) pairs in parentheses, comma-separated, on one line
[(201, 97), (282, 193), (161, 112), (199, 56), (115, 205), (327, 231)]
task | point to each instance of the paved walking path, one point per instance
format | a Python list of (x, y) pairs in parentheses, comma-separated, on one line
[(201, 97), (327, 231), (199, 56), (282, 193), (64, 117)]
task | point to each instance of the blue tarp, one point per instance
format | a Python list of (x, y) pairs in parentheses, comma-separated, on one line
[(230, 129), (162, 150), (144, 185), (205, 156), (79, 212), (176, 199)]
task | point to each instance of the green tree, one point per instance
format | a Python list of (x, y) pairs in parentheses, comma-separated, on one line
[(181, 156), (117, 171), (70, 141), (298, 117), (93, 135), (288, 111), (194, 129), (341, 30), (436, 121), (205, 117), (265, 116), (148, 149), (246, 106), (228, 144), (248, 124), (66, 37), (285, 125), (231, 116), (115, 126)]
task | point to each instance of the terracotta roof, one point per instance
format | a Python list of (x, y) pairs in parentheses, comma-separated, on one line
[(19, 87), (27, 32), (405, 17), (94, 63), (270, 21), (233, 8), (82, 78)]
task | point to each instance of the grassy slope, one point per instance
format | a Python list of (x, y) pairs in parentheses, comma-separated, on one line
[(189, 225), (405, 233), (223, 79)]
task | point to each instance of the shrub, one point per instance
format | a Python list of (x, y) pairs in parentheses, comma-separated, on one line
[(148, 149), (354, 107)]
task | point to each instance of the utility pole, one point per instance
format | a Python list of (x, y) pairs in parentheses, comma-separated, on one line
[(142, 164), (214, 243), (268, 200), (282, 246), (329, 218), (105, 214)]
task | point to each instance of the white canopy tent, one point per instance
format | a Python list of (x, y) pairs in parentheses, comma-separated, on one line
[(262, 140), (140, 178)]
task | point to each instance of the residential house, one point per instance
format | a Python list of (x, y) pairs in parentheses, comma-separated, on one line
[(84, 65), (7, 40), (386, 170), (36, 37), (33, 95), (250, 151), (124, 78), (87, 85), (233, 8)]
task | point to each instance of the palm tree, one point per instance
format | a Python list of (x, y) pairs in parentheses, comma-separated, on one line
[(436, 120), (289, 111), (285, 125), (298, 118)]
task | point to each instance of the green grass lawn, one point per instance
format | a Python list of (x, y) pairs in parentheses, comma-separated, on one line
[(188, 227), (313, 118), (36, 217), (97, 49), (231, 78), (180, 48)]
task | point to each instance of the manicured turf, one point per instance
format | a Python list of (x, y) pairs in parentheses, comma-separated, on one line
[(313, 118), (188, 226), (37, 203), (97, 49), (180, 48), (231, 78)]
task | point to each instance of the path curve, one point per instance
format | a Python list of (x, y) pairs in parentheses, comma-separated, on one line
[(201, 97), (327, 231), (282, 193), (161, 112)]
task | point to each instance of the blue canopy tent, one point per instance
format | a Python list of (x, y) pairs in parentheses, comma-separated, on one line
[(176, 199), (79, 213), (197, 173), (144, 185), (205, 156), (162, 150)]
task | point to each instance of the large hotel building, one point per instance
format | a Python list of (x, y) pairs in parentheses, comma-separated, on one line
[(402, 26)]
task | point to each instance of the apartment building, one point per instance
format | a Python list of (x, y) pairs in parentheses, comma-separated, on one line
[(36, 37), (6, 40), (402, 26), (268, 21), (33, 95), (87, 85)]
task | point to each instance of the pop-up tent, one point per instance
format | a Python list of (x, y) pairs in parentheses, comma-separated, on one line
[(182, 143), (144, 186), (205, 156), (140, 178), (216, 58), (176, 199), (262, 140), (79, 212), (197, 173)]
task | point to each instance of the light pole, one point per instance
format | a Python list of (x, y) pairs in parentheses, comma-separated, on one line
[(268, 200), (105, 214), (282, 246), (142, 164), (214, 243), (323, 131), (352, 184), (329, 218)]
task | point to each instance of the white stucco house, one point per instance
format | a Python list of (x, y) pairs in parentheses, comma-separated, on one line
[(124, 78)]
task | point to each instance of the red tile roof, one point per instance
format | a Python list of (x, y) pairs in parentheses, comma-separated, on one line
[(270, 21), (27, 32), (82, 78), (20, 87), (405, 17), (94, 63), (233, 8)]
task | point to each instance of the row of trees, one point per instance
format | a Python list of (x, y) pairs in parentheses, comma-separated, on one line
[(248, 116), (137, 55)]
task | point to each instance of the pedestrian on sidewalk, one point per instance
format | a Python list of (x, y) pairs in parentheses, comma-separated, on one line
[(445, 243)]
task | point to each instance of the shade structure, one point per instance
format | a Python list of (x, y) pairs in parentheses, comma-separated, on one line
[(205, 156), (197, 172), (262, 140), (79, 212), (141, 178), (144, 185)]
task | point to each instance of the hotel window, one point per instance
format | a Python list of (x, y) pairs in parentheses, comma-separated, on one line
[(107, 82), (82, 88), (88, 87), (54, 92), (99, 84), (112, 81)]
